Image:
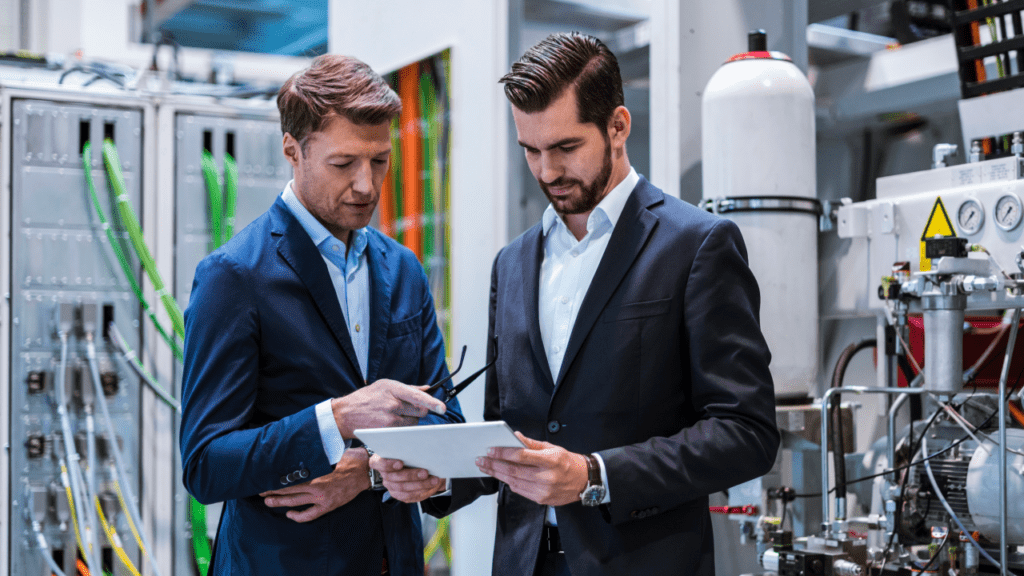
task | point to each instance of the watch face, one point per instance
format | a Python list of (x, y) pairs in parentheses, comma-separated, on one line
[(592, 495)]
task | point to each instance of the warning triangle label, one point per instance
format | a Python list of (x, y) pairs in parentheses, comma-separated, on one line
[(939, 223)]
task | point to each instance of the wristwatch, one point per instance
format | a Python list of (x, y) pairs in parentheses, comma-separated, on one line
[(376, 481), (595, 491)]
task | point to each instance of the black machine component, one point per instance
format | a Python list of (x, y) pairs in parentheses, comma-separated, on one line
[(939, 247), (35, 444), (38, 381), (801, 563)]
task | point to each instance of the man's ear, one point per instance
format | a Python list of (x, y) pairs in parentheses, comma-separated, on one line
[(618, 126), (292, 149)]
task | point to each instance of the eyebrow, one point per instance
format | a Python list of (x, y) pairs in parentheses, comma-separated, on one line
[(559, 144), (345, 155)]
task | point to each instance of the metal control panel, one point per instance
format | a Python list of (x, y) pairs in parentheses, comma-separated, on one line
[(63, 273)]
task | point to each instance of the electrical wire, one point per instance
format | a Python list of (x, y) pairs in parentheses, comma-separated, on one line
[(197, 512), (44, 546), (83, 570), (949, 509), (131, 223), (119, 465), (124, 506), (83, 526), (216, 199), (230, 195), (115, 541), (115, 245), (129, 357), (71, 505)]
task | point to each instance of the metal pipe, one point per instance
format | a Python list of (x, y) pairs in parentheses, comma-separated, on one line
[(891, 424), (1014, 326), (824, 437)]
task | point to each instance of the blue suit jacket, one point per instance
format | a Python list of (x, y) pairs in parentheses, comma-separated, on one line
[(665, 375), (265, 342)]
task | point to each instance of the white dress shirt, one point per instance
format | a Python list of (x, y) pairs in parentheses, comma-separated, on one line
[(351, 279), (566, 272)]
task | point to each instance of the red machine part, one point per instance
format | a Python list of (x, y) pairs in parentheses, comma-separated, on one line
[(748, 510), (983, 330)]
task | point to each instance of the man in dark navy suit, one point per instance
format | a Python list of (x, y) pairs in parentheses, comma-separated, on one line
[(306, 326), (630, 359)]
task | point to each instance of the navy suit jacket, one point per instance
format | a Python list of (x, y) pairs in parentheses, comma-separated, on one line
[(265, 341), (665, 375)]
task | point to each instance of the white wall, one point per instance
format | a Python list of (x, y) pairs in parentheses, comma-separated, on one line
[(388, 34)]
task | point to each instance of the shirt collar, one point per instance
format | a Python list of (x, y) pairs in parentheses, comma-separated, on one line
[(609, 207), (318, 233)]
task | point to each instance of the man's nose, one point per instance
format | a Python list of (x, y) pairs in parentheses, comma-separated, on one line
[(363, 182), (550, 169)]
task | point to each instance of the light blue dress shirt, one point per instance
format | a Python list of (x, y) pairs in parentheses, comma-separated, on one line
[(351, 278), (566, 272)]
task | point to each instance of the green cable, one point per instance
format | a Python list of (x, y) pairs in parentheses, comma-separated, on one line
[(216, 199), (427, 104), (230, 195), (446, 197), (200, 543), (131, 223), (197, 512), (121, 258)]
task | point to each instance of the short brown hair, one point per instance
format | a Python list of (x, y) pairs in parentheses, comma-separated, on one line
[(561, 60), (334, 84)]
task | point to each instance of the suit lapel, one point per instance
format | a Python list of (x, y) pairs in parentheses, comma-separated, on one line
[(380, 301), (297, 249), (533, 254), (628, 238)]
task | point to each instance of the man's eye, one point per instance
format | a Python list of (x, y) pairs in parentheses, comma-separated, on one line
[(345, 165), (567, 148), (380, 161)]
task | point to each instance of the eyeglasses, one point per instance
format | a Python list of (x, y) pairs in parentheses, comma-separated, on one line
[(448, 395)]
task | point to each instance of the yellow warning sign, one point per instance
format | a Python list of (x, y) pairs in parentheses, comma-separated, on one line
[(939, 225)]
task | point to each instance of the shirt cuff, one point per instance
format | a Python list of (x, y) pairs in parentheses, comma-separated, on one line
[(334, 444), (447, 489), (604, 479)]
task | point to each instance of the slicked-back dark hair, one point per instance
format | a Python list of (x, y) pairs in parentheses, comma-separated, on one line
[(334, 84), (563, 60)]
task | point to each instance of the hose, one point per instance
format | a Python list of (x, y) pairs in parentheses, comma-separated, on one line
[(131, 223), (115, 541), (129, 506), (200, 543), (835, 415), (949, 509), (115, 245), (216, 199), (230, 195)]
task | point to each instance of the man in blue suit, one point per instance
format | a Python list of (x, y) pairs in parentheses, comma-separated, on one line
[(304, 327), (630, 359)]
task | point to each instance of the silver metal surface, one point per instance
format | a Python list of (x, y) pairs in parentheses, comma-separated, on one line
[(943, 350), (1003, 375), (59, 254)]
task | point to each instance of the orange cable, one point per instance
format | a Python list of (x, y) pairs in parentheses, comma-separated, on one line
[(1016, 412), (412, 161), (83, 570)]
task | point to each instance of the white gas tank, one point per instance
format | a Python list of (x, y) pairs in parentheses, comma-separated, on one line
[(758, 153)]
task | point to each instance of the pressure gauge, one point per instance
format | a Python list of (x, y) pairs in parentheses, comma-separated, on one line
[(1008, 211), (970, 216)]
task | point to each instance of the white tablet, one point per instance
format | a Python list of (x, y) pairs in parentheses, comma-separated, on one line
[(445, 450)]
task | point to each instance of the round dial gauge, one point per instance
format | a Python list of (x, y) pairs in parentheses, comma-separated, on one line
[(970, 216), (1008, 211)]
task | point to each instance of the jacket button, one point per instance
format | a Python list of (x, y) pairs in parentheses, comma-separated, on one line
[(303, 473), (634, 514), (284, 479), (554, 427)]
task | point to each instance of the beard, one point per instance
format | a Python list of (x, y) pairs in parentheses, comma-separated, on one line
[(589, 194)]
